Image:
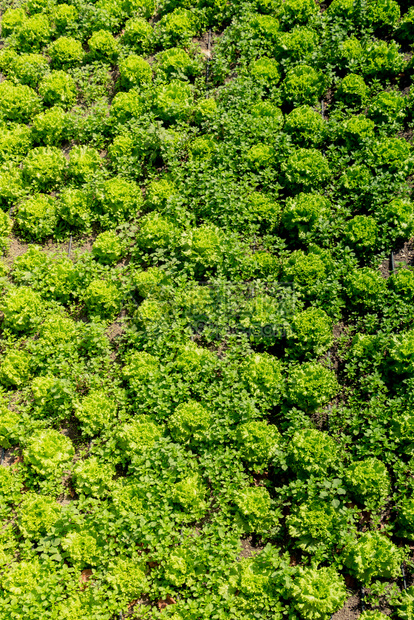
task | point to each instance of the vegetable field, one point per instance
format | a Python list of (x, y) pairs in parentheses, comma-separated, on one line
[(206, 310)]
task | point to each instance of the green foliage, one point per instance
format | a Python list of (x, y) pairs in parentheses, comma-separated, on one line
[(211, 317), (33, 33), (305, 125), (138, 34), (83, 163), (311, 333), (44, 167), (95, 412), (48, 452), (305, 211), (258, 443), (176, 28), (303, 85), (406, 604), (37, 514), (156, 231), (9, 420), (18, 102), (352, 90), (58, 88), (365, 287), (28, 69), (92, 477), (176, 63), (189, 422), (103, 46), (65, 52), (373, 555), (306, 169), (21, 308), (174, 101), (107, 247), (15, 369), (11, 20), (255, 510), (312, 452), (135, 71), (361, 232), (102, 299), (318, 593), (368, 481), (50, 127), (37, 216)]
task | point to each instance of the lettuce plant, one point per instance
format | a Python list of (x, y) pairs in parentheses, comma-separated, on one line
[(305, 211), (65, 16), (138, 34), (48, 452), (174, 101), (176, 28), (28, 69), (65, 52), (312, 452), (107, 247), (365, 287), (258, 443), (361, 232), (156, 231), (18, 102), (58, 88), (45, 167), (74, 208), (317, 525), (317, 593), (15, 368), (405, 605), (91, 477), (306, 169), (352, 90), (135, 72), (372, 556), (399, 216), (305, 126), (103, 46), (190, 422), (119, 198), (262, 374), (311, 333), (15, 142), (190, 494), (50, 127), (84, 161), (95, 412), (33, 33), (81, 548), (368, 481), (406, 517), (12, 19), (37, 216), (126, 106), (137, 435), (9, 422), (177, 63), (311, 385), (37, 514), (22, 309), (127, 577), (303, 85)]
